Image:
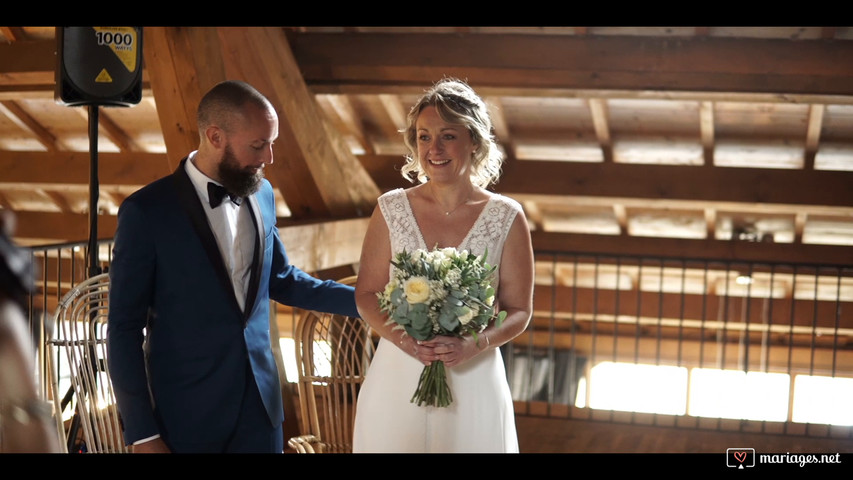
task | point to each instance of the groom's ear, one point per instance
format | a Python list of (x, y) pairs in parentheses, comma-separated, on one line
[(215, 136)]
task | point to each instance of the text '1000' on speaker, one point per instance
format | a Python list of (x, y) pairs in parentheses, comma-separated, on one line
[(99, 66)]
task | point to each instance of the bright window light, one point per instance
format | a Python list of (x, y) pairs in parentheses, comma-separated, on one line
[(642, 388), (322, 354), (824, 400), (580, 398), (740, 395), (288, 356), (101, 392)]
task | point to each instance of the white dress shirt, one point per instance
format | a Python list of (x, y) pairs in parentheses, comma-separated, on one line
[(234, 231)]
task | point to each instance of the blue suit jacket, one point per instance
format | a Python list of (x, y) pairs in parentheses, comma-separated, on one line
[(168, 277)]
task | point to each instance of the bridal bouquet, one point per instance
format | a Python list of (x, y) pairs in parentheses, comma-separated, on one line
[(439, 292)]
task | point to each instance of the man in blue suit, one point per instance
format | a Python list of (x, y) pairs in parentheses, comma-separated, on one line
[(191, 281)]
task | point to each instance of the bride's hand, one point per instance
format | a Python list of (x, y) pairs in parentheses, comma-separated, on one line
[(451, 350), (423, 351)]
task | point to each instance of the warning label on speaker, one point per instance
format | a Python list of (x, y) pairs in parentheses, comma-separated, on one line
[(104, 77)]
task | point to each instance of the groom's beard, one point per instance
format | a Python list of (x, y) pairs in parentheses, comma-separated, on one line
[(236, 179)]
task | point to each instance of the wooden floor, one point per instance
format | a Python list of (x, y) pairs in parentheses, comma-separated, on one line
[(557, 435), (584, 431)]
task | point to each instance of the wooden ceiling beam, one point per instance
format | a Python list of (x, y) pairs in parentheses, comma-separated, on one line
[(502, 131), (28, 63), (601, 122), (59, 200), (718, 250), (331, 62), (13, 34), (823, 190), (342, 114), (706, 131), (768, 70), (131, 169), (289, 171), (588, 66), (63, 227), (818, 191), (172, 62), (815, 122), (110, 128), (747, 185), (397, 114), (264, 54), (26, 122)]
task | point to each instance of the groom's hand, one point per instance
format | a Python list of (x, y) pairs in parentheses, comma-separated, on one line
[(152, 446)]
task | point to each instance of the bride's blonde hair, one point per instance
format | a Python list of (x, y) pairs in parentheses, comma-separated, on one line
[(456, 103)]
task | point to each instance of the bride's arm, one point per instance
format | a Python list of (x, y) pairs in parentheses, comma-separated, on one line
[(372, 277), (515, 297), (515, 290)]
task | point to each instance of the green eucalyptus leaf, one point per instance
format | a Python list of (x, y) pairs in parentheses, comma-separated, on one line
[(448, 320)]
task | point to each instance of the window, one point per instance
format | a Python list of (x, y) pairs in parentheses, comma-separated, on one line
[(738, 394), (638, 388), (714, 393), (823, 400), (322, 354)]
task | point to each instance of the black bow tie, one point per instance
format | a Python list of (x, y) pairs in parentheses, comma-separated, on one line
[(217, 192)]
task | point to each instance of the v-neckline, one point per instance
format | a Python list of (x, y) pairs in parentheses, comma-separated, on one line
[(421, 239)]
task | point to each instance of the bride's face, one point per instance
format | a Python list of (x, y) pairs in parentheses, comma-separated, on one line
[(444, 149)]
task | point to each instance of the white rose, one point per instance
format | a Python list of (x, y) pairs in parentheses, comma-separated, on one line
[(417, 290), (467, 316)]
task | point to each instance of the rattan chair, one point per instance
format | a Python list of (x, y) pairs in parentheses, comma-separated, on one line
[(333, 353), (77, 349)]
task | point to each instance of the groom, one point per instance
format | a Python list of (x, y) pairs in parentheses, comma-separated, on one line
[(197, 259)]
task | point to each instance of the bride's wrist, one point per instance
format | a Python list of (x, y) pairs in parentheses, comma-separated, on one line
[(484, 342)]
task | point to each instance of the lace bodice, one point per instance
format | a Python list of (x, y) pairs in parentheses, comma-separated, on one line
[(488, 232)]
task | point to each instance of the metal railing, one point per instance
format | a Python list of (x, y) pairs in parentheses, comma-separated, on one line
[(58, 268), (731, 316), (751, 317)]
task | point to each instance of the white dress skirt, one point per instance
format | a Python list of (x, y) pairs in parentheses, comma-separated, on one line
[(480, 418)]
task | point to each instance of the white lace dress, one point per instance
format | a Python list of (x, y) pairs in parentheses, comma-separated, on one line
[(481, 417)]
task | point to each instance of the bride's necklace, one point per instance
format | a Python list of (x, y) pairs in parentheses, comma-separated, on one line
[(448, 212)]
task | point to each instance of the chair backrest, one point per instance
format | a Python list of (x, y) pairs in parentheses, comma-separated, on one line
[(333, 353), (79, 371)]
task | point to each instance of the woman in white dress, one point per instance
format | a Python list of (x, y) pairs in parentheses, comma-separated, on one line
[(454, 157)]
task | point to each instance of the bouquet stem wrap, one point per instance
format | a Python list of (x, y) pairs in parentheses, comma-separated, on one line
[(439, 292)]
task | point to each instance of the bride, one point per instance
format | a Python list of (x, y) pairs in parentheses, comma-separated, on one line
[(454, 157)]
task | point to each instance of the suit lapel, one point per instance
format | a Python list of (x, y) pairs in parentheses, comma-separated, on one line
[(190, 202), (254, 279)]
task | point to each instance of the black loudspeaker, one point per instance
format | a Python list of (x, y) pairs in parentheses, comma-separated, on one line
[(99, 66)]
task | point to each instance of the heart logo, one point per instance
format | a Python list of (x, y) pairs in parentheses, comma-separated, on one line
[(740, 456)]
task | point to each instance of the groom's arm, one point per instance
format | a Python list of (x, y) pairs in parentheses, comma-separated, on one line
[(131, 289), (291, 286)]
